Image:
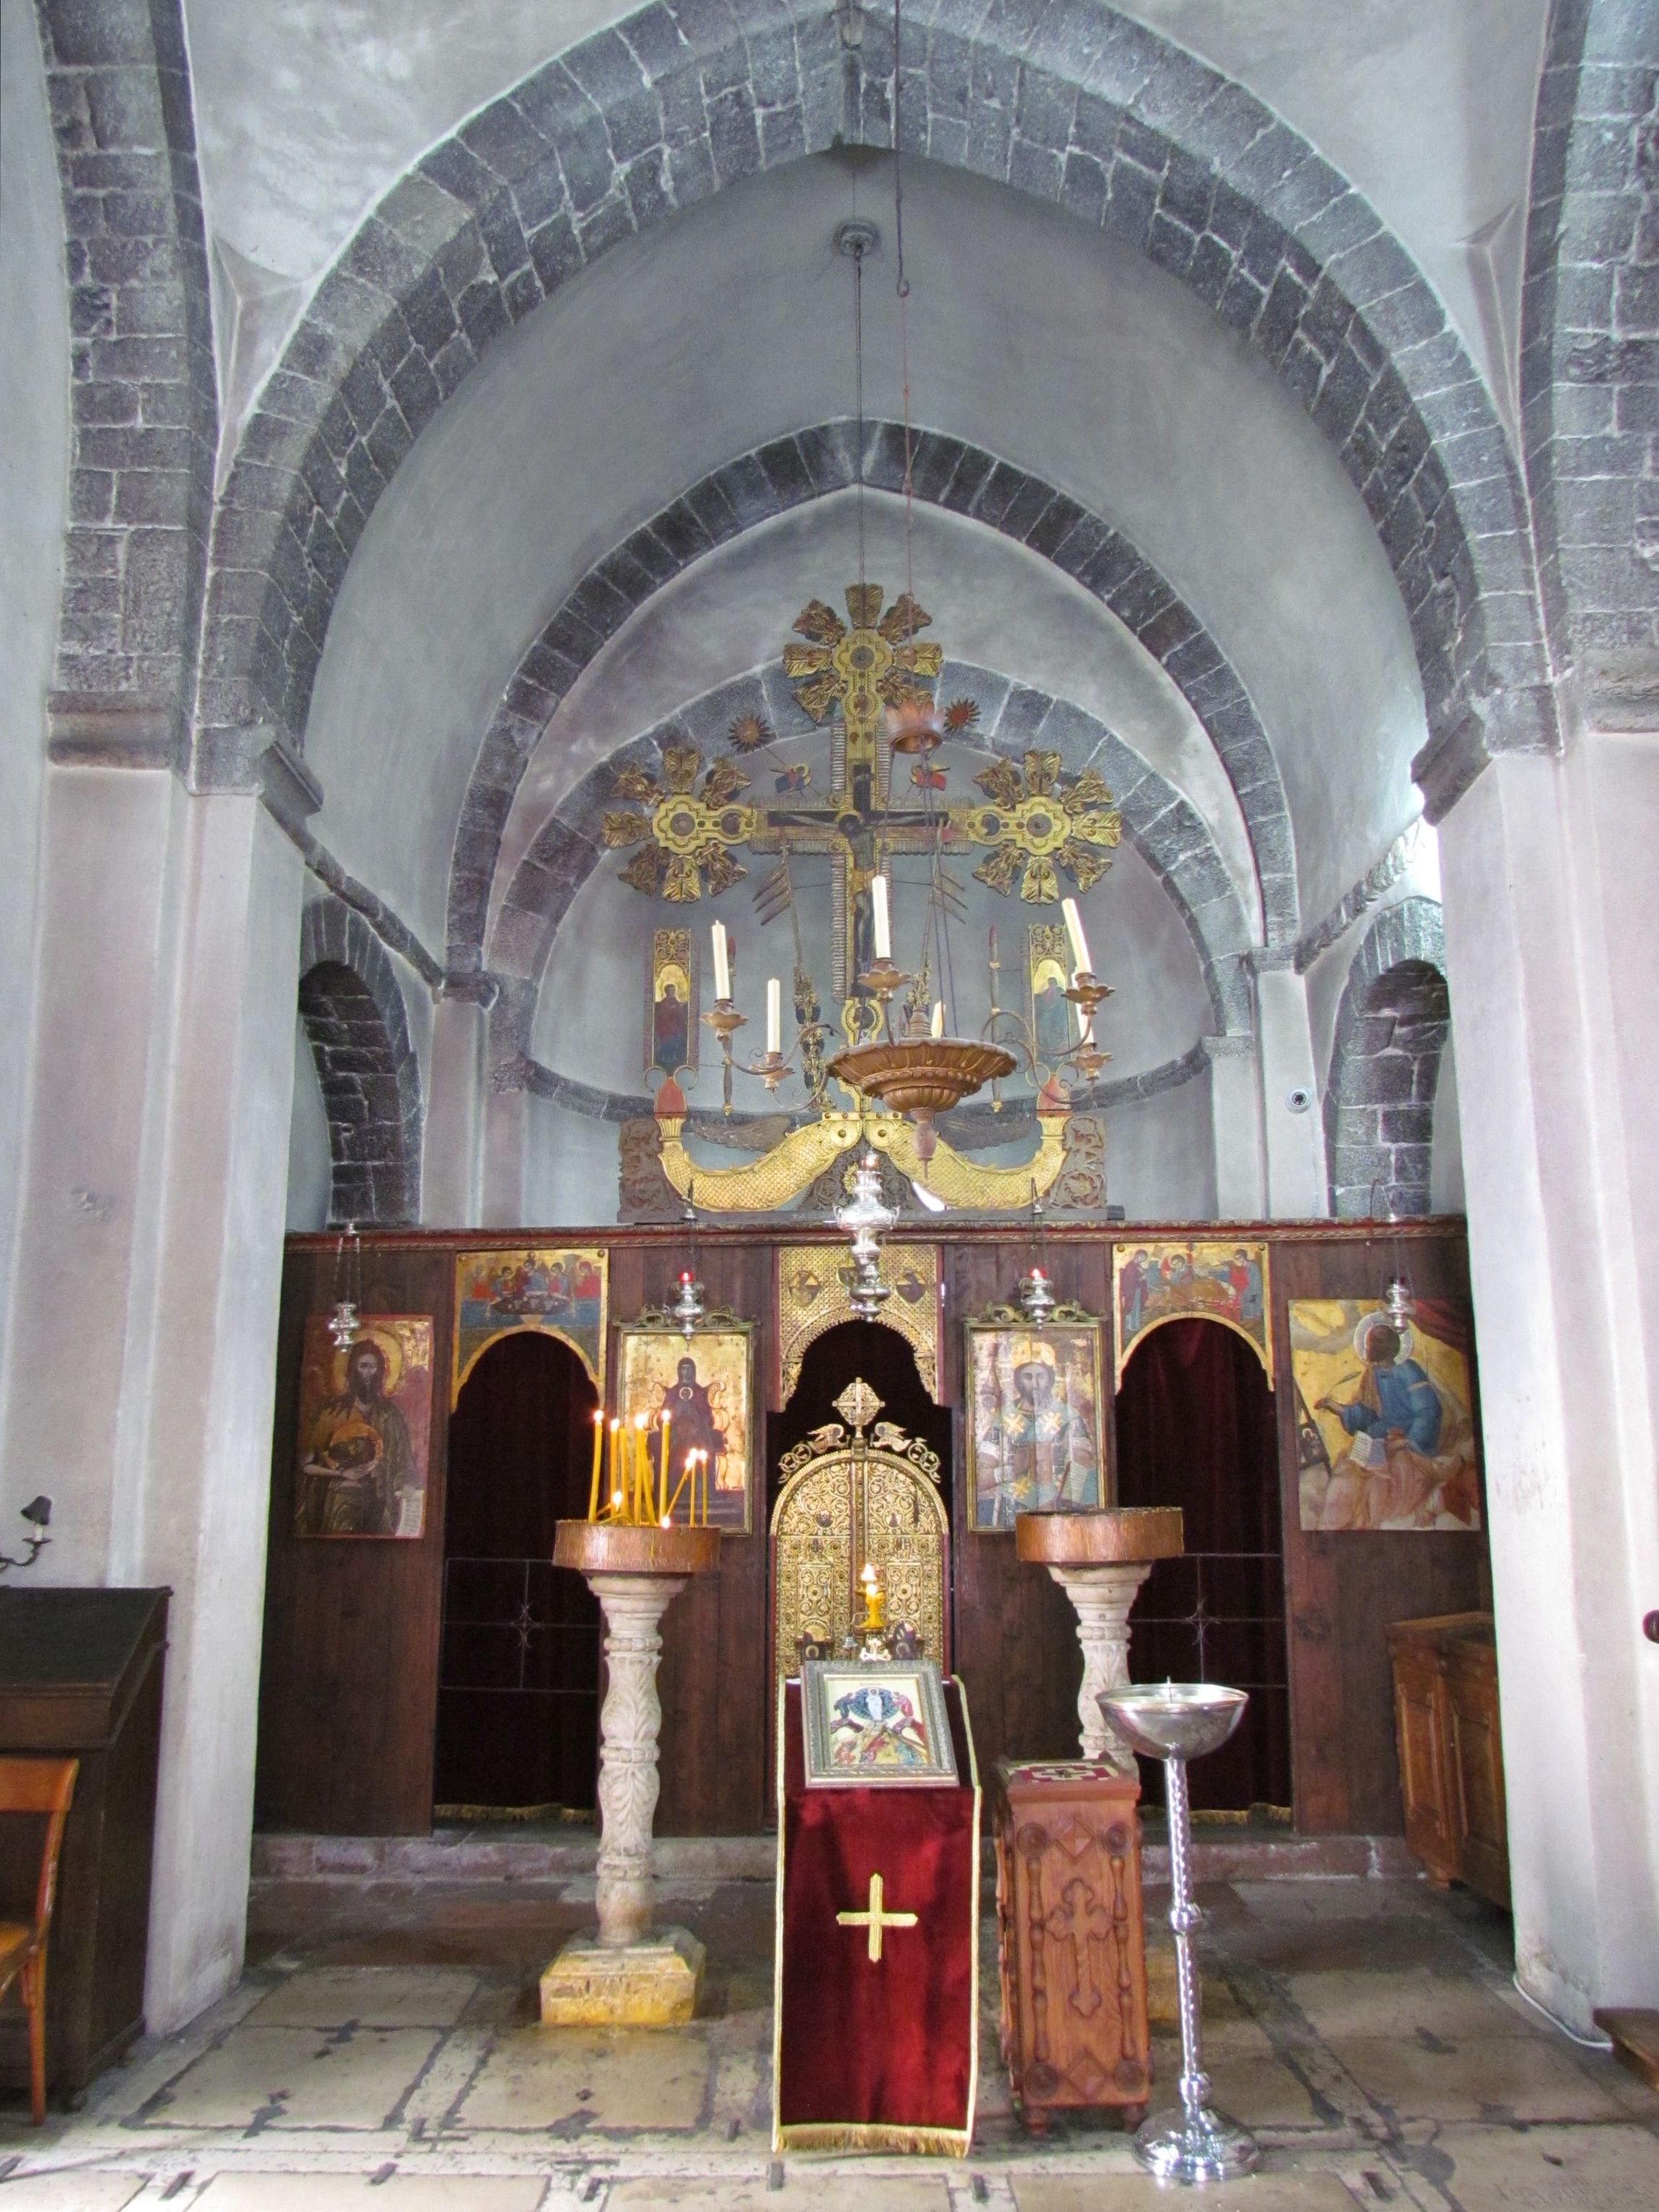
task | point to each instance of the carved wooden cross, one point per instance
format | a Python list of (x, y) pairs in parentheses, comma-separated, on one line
[(875, 1918), (1073, 1921)]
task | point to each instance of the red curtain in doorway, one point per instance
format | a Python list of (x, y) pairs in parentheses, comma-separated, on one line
[(1195, 1428)]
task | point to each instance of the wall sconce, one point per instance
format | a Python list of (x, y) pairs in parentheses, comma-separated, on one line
[(37, 1514)]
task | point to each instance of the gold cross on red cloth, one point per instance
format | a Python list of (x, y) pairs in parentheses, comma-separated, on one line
[(876, 1919)]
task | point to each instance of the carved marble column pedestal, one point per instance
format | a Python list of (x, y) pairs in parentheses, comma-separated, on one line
[(1100, 1561), (626, 1972)]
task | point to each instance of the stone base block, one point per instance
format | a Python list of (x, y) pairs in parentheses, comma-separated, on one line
[(654, 1984)]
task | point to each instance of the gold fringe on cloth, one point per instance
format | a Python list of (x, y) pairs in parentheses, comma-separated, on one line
[(859, 2135), (829, 2134)]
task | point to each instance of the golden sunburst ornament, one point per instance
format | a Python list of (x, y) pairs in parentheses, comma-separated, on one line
[(686, 836), (873, 664), (1038, 821), (750, 733)]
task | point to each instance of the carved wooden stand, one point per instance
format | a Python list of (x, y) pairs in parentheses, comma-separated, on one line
[(627, 1973), (1071, 1938)]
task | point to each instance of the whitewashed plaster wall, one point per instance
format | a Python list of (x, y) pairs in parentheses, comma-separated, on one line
[(1553, 939), (1446, 1162), (730, 323), (307, 110), (34, 376), (310, 1162), (570, 1168)]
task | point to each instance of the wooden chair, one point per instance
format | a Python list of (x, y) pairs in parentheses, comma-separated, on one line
[(35, 1785)]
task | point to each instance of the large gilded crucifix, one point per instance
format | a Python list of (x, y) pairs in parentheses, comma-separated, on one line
[(1031, 821)]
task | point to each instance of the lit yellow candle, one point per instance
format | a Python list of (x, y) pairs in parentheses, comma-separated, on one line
[(702, 1470), (679, 1492), (645, 1504), (662, 1466), (598, 1449), (615, 1483)]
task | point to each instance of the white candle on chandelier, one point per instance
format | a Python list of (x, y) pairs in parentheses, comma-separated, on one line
[(879, 909), (722, 962), (1078, 942), (938, 1024), (773, 1014)]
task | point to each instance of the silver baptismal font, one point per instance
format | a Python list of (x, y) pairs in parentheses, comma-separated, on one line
[(1177, 1722)]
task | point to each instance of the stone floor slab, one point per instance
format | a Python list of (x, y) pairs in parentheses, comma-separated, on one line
[(839, 2192), (1448, 2007), (362, 2193), (1551, 2169), (1249, 2078), (570, 2080), (71, 2192), (1306, 2192), (1499, 2077), (373, 1996), (297, 2077)]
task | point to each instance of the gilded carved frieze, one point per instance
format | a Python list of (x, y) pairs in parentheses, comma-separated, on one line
[(813, 1297)]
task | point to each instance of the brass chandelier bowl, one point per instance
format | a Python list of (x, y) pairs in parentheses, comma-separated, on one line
[(922, 1076)]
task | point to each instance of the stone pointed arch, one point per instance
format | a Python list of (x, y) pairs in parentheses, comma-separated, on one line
[(1167, 831), (1084, 109), (1392, 1023), (812, 463), (145, 415), (1589, 353), (354, 1016)]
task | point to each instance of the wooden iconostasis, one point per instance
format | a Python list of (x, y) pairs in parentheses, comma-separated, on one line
[(458, 1669)]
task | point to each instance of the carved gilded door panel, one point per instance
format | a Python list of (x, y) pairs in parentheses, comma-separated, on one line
[(871, 1495)]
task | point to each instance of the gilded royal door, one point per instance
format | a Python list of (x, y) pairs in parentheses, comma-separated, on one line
[(847, 1499)]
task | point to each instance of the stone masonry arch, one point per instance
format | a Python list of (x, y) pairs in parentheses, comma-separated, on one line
[(353, 1016), (1392, 1023), (812, 464), (1085, 109), (1589, 359), (145, 415)]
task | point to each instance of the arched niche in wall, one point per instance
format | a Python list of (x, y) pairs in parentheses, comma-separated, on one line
[(1392, 1025), (352, 1011)]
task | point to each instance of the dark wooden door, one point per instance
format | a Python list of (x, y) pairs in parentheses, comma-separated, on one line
[(518, 1669), (1196, 1429)]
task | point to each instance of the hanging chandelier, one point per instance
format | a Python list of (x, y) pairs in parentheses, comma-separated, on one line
[(889, 1031)]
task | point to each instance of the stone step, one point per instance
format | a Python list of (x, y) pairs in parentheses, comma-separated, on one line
[(566, 1853)]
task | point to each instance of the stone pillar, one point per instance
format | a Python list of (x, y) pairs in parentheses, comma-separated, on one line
[(1552, 917), (629, 1726), (1292, 1140), (449, 1182), (141, 1372), (1236, 1120), (1103, 1596)]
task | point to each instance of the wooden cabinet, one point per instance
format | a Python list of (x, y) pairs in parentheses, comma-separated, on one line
[(1451, 1760), (1072, 1939), (81, 1677)]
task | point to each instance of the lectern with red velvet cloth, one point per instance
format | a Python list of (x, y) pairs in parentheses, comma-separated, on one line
[(877, 2036)]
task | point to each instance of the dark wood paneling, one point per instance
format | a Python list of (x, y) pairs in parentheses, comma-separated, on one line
[(1016, 1645), (713, 1682), (349, 1680), (1341, 1591), (351, 1646)]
